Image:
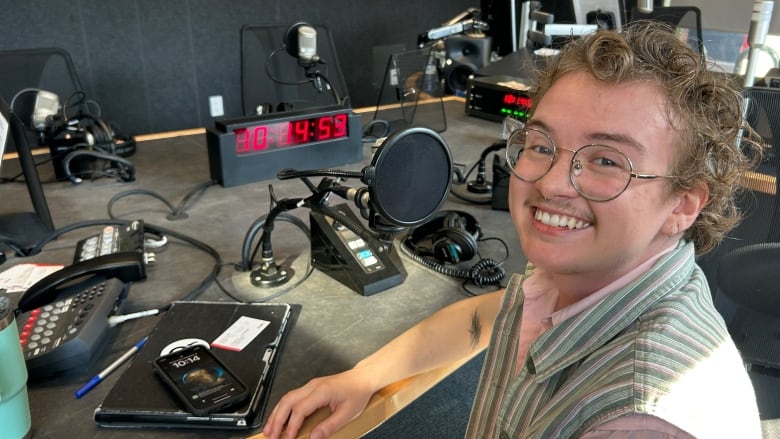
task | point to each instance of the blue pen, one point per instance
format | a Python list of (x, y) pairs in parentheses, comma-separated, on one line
[(107, 371)]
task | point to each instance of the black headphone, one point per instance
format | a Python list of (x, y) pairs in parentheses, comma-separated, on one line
[(450, 236), (104, 136), (100, 141)]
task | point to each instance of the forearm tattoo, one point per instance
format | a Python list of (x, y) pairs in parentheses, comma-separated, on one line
[(475, 330)]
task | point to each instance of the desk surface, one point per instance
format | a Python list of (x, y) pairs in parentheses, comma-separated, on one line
[(336, 327)]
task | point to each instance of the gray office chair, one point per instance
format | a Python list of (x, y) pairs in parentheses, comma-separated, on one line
[(750, 277), (747, 262), (760, 209)]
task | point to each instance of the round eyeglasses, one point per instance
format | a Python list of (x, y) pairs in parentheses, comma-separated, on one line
[(597, 172)]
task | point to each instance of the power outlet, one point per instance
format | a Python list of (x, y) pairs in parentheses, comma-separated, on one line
[(215, 106)]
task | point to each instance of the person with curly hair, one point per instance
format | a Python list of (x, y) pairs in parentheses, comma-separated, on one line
[(627, 168)]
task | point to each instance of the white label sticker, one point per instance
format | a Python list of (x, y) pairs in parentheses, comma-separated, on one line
[(240, 333)]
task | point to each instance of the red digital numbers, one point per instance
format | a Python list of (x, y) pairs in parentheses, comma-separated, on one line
[(290, 133), (331, 127), (520, 101), (252, 139), (300, 132)]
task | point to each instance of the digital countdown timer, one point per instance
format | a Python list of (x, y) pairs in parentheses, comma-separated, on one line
[(260, 138), (492, 97), (256, 148), (515, 106)]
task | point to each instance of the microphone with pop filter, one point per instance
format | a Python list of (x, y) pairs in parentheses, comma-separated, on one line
[(408, 180)]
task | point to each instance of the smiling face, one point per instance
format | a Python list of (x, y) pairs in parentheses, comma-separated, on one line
[(585, 244)]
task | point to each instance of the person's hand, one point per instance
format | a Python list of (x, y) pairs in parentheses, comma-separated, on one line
[(346, 394)]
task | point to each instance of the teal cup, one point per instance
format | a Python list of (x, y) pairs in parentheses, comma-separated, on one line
[(14, 405)]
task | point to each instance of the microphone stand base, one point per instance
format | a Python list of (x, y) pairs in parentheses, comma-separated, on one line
[(477, 188), (268, 277)]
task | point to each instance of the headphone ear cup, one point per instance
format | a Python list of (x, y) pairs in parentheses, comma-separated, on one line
[(106, 134), (101, 132), (454, 245), (449, 236)]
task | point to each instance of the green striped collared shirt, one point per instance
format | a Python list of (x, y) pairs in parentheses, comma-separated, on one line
[(656, 346)]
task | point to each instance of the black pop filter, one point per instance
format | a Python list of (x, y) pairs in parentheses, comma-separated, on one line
[(410, 176)]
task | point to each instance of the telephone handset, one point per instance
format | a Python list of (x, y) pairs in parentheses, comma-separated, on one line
[(116, 252), (123, 266)]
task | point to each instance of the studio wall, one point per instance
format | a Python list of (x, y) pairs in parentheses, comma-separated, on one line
[(152, 65)]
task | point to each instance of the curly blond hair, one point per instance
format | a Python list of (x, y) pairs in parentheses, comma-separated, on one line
[(704, 107)]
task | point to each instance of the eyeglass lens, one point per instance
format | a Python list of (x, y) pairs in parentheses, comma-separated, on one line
[(597, 172)]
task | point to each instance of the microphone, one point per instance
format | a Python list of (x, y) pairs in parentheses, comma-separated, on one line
[(449, 30), (359, 196), (759, 28), (645, 6), (47, 105), (307, 45), (300, 41)]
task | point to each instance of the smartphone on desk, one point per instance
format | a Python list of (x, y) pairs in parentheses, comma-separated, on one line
[(200, 381)]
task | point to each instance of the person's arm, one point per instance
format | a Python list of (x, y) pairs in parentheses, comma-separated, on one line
[(446, 336)]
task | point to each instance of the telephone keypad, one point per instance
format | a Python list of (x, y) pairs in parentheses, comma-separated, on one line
[(68, 332)]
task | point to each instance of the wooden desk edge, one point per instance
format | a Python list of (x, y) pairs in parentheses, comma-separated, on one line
[(383, 405), (194, 131)]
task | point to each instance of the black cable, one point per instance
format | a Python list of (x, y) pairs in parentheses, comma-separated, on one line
[(278, 81), (124, 194), (13, 245), (177, 212), (196, 243), (288, 174), (319, 76), (246, 258), (124, 169), (462, 180), (368, 130), (199, 190), (66, 105), (313, 78), (485, 272)]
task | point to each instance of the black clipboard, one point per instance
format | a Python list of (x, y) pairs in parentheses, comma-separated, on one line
[(139, 399)]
